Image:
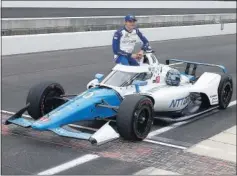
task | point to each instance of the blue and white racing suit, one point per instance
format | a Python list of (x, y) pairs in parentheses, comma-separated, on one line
[(124, 43)]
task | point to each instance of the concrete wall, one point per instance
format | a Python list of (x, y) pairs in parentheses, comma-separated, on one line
[(121, 4), (61, 41), (55, 25)]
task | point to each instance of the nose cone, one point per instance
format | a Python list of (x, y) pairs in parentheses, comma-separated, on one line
[(82, 107)]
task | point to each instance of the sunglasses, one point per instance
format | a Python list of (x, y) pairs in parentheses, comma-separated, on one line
[(131, 21)]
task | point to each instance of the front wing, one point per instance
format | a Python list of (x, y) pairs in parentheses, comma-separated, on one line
[(105, 134)]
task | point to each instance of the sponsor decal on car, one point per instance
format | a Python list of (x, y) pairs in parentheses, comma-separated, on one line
[(69, 107), (152, 90), (44, 119), (55, 113), (88, 95), (214, 98), (158, 79), (179, 102), (152, 69)]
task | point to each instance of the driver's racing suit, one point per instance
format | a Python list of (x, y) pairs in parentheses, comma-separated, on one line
[(124, 43)]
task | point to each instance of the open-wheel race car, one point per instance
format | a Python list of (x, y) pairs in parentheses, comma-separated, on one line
[(132, 96)]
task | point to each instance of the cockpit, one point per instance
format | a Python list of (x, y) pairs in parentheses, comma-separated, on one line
[(123, 76)]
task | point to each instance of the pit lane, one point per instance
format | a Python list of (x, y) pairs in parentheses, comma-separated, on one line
[(73, 69)]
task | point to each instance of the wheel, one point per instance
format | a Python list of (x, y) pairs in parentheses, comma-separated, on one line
[(225, 91), (135, 117), (41, 98)]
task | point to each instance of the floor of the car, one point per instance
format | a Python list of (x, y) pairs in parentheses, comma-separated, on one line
[(193, 116)]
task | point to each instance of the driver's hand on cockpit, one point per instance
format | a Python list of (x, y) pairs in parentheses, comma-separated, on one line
[(140, 54), (134, 56)]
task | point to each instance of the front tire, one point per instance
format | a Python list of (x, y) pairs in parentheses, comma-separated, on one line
[(40, 98), (135, 117), (225, 91)]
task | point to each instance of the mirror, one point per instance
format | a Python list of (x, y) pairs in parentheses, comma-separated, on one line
[(139, 83), (99, 77)]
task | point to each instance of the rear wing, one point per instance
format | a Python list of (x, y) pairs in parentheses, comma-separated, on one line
[(194, 64)]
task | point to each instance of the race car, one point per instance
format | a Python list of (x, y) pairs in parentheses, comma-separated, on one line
[(132, 96)]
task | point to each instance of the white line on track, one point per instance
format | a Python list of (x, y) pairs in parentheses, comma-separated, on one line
[(165, 129), (83, 127), (69, 164), (232, 103), (12, 113), (165, 144)]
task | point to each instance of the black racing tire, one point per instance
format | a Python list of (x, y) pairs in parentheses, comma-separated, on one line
[(132, 109), (225, 91), (39, 95)]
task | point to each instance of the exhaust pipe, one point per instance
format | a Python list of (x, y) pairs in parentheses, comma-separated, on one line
[(105, 134)]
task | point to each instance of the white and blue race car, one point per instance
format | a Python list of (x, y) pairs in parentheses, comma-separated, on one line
[(132, 96)]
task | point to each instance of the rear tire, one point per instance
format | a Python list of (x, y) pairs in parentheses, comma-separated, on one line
[(225, 91), (135, 117), (39, 98)]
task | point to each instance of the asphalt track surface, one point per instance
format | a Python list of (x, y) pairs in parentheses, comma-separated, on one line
[(28, 152), (70, 12)]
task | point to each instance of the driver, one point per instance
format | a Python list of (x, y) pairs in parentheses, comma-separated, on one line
[(124, 41), (173, 77)]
